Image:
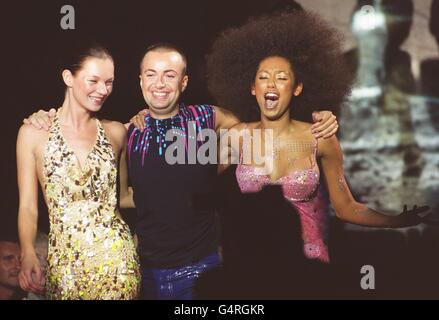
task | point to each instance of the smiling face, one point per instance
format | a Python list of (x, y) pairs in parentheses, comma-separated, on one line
[(162, 80), (274, 87), (9, 264), (91, 85)]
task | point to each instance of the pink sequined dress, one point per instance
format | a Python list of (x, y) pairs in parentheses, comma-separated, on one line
[(301, 189)]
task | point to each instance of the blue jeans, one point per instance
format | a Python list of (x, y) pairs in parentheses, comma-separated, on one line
[(175, 283)]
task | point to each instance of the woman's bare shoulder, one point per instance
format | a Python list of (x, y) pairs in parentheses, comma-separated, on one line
[(115, 131), (31, 136), (114, 126), (301, 125), (240, 127)]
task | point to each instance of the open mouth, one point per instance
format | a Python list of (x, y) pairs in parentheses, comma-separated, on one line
[(160, 95), (97, 100), (271, 100)]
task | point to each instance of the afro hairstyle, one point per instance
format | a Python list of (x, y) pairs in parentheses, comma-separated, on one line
[(311, 46)]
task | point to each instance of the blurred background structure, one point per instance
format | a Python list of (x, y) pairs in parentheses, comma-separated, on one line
[(389, 125)]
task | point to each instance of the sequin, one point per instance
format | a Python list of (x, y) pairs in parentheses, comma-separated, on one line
[(91, 250), (300, 188), (199, 116)]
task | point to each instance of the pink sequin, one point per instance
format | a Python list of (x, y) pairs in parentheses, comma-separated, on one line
[(300, 188)]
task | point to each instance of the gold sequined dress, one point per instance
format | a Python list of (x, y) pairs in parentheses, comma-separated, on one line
[(91, 250)]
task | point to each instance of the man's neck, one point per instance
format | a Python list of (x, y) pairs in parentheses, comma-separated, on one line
[(167, 115)]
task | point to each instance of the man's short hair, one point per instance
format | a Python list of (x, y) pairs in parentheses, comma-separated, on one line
[(165, 47), (41, 239)]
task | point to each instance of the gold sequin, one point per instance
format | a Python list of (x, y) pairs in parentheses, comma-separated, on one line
[(91, 250)]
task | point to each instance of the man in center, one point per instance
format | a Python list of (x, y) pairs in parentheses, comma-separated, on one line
[(176, 225)]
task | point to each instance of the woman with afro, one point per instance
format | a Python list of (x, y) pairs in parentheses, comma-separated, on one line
[(271, 72)]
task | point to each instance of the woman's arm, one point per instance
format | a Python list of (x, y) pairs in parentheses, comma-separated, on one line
[(30, 277), (126, 192), (117, 133), (346, 207)]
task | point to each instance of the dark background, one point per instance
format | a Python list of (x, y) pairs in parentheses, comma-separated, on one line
[(33, 41)]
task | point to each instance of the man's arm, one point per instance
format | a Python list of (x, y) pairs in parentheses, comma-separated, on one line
[(224, 119), (43, 119), (325, 122)]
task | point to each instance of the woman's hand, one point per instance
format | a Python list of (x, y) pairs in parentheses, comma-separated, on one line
[(31, 277), (139, 119), (415, 216)]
